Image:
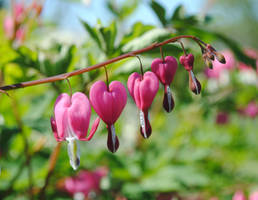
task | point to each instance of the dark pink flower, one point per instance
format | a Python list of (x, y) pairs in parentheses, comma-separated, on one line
[(71, 122), (239, 195), (143, 89), (85, 182), (254, 196), (165, 71), (222, 118), (109, 103), (187, 61)]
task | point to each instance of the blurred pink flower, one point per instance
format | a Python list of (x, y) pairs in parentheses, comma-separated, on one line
[(251, 110), (85, 182), (19, 12), (239, 195), (218, 67), (254, 196), (252, 54), (222, 118), (9, 27), (20, 35)]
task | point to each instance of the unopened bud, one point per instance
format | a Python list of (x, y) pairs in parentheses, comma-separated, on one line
[(220, 58), (208, 63), (210, 55)]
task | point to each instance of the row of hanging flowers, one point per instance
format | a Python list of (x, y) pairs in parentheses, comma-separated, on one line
[(72, 113)]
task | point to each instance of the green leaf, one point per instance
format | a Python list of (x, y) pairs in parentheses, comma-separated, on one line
[(92, 32), (159, 11), (137, 30), (109, 36), (150, 37)]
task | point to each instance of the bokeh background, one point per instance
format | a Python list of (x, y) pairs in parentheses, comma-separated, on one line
[(206, 148)]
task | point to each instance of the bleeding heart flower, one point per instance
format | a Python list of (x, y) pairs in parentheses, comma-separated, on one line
[(239, 195), (187, 61), (109, 103), (9, 27), (143, 89), (165, 71), (71, 122)]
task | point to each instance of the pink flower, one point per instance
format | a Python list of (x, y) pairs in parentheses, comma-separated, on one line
[(187, 61), (85, 182), (165, 71), (20, 35), (252, 54), (222, 118), (219, 67), (254, 196), (9, 27), (239, 195), (19, 12), (143, 90), (109, 103), (251, 110), (71, 122)]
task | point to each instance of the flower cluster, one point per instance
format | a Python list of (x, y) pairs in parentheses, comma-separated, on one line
[(72, 114), (16, 23)]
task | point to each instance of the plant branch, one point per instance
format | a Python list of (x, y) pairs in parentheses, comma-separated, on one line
[(99, 65), (52, 164)]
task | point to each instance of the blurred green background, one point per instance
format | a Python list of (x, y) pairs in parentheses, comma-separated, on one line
[(205, 148)]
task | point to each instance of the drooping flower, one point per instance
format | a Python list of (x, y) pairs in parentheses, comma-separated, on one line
[(71, 122), (85, 183), (165, 71), (187, 61), (109, 102), (251, 110), (19, 12), (143, 90), (239, 195)]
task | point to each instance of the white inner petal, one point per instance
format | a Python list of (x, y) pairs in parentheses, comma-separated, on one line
[(73, 149), (113, 133), (142, 123), (194, 80), (169, 96)]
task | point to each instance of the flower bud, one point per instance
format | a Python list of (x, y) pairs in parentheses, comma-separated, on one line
[(208, 63), (220, 58)]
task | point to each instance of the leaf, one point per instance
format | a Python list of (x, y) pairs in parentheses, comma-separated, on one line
[(92, 32), (150, 37), (159, 11), (137, 30), (109, 36)]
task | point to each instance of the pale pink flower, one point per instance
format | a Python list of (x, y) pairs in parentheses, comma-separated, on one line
[(9, 27), (239, 195), (71, 122), (254, 196)]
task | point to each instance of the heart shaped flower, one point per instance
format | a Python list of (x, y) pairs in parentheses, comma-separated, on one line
[(143, 90), (187, 61), (165, 70), (71, 122), (109, 102)]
